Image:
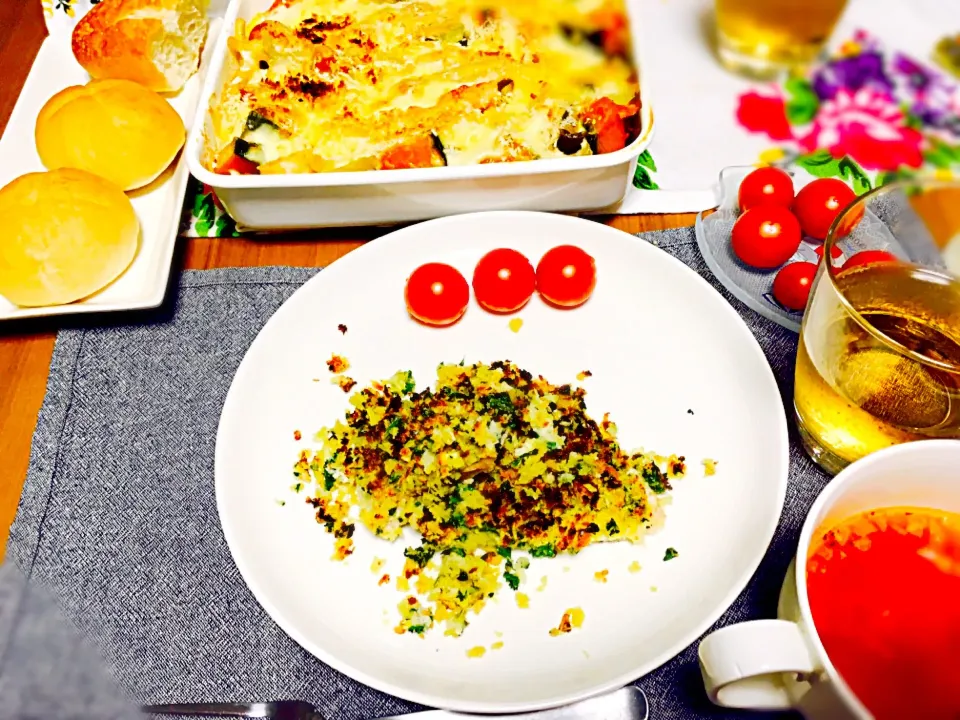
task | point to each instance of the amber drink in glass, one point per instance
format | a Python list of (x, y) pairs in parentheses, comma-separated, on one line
[(762, 38), (879, 355)]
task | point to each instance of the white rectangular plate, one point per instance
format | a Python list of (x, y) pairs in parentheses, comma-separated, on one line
[(158, 205)]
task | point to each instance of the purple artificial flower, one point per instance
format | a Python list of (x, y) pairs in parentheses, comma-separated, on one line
[(852, 73)]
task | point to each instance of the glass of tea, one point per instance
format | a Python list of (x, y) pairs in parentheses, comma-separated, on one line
[(762, 38), (878, 361)]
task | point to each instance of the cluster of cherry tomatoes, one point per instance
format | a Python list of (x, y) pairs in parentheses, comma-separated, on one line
[(503, 282), (773, 221)]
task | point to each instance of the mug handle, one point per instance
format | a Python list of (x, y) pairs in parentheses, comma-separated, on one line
[(742, 664)]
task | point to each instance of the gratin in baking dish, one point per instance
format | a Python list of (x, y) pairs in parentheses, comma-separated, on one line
[(304, 200)]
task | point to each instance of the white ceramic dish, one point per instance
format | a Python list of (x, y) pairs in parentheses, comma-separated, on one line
[(158, 206), (659, 341), (782, 664), (383, 197)]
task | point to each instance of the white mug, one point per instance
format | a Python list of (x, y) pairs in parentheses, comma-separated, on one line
[(781, 664)]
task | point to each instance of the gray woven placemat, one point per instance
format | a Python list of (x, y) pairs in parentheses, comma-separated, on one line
[(118, 517)]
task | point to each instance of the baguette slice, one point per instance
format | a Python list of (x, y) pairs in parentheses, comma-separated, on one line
[(156, 43)]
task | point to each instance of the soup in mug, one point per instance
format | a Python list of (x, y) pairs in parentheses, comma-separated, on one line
[(884, 590)]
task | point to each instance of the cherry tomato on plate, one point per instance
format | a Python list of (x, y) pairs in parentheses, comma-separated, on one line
[(766, 236), (436, 294), (870, 257), (835, 252), (566, 276), (765, 186), (791, 286), (503, 281), (818, 204)]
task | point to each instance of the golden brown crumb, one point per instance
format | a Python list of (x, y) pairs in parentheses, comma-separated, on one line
[(601, 575), (384, 580), (572, 618), (584, 375), (297, 435), (345, 383), (576, 616), (337, 364), (342, 549), (676, 466), (563, 627)]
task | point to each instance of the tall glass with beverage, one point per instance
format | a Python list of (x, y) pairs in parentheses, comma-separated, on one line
[(879, 355), (762, 38)]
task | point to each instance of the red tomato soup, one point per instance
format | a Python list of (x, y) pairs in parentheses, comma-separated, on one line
[(884, 589)]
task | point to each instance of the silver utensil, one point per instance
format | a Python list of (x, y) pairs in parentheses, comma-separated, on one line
[(628, 703)]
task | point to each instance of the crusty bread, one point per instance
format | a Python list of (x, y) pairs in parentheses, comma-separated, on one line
[(156, 43), (64, 234), (116, 129)]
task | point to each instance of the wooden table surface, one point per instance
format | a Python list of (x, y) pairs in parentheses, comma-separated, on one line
[(25, 349)]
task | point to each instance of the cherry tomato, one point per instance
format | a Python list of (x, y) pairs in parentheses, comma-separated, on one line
[(835, 252), (766, 186), (566, 276), (436, 294), (869, 257), (818, 204), (850, 221), (503, 281), (791, 286), (766, 236)]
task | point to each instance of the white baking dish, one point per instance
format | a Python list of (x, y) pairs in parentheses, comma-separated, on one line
[(374, 197)]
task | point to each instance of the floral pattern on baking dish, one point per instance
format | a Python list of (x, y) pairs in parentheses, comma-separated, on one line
[(868, 115)]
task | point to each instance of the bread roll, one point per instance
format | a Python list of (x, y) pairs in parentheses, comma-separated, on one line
[(113, 128), (64, 234), (156, 43)]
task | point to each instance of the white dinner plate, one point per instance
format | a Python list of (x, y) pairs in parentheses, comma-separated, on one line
[(671, 361)]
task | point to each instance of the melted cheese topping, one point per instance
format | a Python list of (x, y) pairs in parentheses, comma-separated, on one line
[(335, 84)]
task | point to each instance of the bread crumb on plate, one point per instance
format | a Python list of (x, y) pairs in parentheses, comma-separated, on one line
[(572, 618), (337, 364)]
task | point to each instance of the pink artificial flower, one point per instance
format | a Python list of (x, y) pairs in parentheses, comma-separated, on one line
[(764, 113), (869, 127)]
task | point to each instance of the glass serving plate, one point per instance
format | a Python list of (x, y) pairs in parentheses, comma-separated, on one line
[(754, 286)]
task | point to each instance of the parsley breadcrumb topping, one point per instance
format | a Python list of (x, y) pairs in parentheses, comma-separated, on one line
[(491, 466)]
